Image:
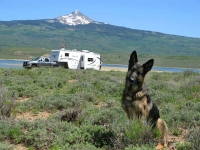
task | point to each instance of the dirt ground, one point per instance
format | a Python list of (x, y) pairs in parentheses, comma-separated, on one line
[(114, 69)]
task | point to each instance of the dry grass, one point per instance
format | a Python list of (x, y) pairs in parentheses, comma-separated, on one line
[(31, 117), (22, 99), (113, 68)]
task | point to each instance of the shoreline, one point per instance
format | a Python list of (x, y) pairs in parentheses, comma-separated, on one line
[(114, 67), (120, 69), (14, 59)]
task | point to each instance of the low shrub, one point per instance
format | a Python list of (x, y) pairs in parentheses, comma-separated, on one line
[(86, 108), (69, 115), (143, 147), (184, 146), (7, 101), (52, 102), (194, 138), (5, 146), (139, 133), (11, 131)]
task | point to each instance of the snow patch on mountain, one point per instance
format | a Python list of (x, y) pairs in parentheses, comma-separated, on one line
[(73, 19)]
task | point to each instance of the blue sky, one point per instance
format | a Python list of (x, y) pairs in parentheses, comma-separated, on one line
[(177, 17)]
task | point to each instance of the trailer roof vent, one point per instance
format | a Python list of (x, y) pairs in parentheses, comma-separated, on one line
[(62, 49), (86, 51)]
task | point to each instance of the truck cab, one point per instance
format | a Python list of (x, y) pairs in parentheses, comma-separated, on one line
[(39, 62)]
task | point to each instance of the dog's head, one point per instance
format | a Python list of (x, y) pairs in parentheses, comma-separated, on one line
[(136, 73)]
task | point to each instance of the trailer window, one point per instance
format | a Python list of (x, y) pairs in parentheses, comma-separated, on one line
[(90, 59), (67, 54)]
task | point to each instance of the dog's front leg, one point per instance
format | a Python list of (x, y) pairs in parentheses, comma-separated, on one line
[(133, 114), (127, 110), (144, 113), (125, 104), (140, 94)]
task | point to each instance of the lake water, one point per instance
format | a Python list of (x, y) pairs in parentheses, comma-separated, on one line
[(19, 63), (11, 63)]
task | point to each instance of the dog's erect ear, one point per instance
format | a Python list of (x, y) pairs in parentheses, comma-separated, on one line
[(148, 65), (133, 59)]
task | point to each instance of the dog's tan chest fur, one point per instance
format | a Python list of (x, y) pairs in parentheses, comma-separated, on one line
[(137, 107)]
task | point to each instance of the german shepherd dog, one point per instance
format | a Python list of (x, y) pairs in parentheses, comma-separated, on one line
[(136, 100)]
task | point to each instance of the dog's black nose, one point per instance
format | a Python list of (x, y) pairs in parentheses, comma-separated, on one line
[(132, 79)]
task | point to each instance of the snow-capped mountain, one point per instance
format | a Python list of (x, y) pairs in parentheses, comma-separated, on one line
[(75, 18)]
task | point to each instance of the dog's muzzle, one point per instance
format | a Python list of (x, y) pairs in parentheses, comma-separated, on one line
[(132, 80)]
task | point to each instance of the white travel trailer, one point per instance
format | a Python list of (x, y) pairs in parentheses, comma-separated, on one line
[(74, 59)]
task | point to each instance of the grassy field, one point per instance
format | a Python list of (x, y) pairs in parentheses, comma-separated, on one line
[(163, 61), (95, 37), (56, 108), (23, 53)]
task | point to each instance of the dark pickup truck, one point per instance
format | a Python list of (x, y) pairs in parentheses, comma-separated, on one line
[(39, 62)]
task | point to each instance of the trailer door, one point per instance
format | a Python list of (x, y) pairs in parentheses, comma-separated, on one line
[(82, 61)]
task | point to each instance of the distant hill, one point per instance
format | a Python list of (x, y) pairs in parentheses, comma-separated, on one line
[(81, 32)]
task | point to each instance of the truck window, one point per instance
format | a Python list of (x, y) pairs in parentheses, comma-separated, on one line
[(90, 59), (46, 60), (67, 54)]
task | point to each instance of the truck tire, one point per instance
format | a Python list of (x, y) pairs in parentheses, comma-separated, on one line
[(33, 66)]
